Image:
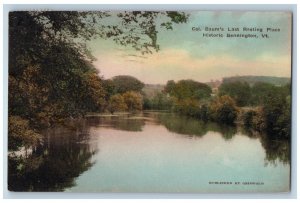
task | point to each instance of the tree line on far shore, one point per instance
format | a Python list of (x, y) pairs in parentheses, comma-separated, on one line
[(261, 107)]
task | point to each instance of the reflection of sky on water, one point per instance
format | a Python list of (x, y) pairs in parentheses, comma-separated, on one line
[(151, 153), (157, 160)]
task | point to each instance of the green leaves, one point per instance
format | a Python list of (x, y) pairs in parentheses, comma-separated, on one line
[(188, 89), (177, 17), (50, 67), (239, 91), (20, 133), (124, 83), (117, 103), (277, 112), (133, 100), (224, 110)]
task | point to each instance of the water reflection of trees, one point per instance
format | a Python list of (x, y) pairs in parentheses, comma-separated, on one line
[(275, 150), (194, 127), (125, 122), (66, 151), (53, 166)]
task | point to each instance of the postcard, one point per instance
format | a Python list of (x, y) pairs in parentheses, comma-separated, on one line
[(149, 101)]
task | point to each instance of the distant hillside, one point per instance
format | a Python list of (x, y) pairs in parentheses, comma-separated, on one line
[(151, 90), (254, 79)]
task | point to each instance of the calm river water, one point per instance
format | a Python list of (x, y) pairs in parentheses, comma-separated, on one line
[(152, 152)]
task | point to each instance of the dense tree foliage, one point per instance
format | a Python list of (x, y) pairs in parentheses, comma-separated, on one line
[(129, 101), (124, 83), (20, 133), (51, 76), (224, 110), (254, 119), (188, 89), (116, 103), (204, 112), (260, 91), (170, 86), (160, 101), (187, 96), (109, 87), (277, 112), (273, 114), (189, 107), (239, 91), (133, 100), (251, 80)]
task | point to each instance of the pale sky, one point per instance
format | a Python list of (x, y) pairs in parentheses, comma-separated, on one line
[(186, 54)]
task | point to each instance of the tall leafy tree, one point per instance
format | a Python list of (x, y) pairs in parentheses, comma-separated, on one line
[(170, 87), (50, 67), (133, 100), (125, 83), (117, 103), (188, 89), (224, 110), (239, 91), (260, 91), (277, 112)]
